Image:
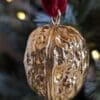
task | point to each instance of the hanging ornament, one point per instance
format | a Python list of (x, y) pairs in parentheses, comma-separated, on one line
[(56, 57)]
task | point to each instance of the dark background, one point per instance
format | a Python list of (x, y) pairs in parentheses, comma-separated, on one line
[(18, 18)]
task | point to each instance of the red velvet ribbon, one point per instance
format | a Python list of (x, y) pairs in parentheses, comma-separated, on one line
[(52, 6)]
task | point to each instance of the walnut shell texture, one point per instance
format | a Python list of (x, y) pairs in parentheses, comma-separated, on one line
[(56, 61)]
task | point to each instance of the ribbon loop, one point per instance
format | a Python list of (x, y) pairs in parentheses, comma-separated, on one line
[(52, 6)]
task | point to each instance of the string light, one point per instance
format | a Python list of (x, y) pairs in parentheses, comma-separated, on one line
[(21, 15), (95, 54), (9, 1)]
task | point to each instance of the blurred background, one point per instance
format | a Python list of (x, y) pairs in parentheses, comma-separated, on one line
[(17, 20)]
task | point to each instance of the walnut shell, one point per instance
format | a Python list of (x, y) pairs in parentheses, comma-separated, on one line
[(56, 61)]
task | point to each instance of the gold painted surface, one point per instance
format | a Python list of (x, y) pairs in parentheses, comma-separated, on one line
[(56, 62)]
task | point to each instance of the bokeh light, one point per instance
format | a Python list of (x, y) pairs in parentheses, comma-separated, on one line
[(21, 15), (95, 54), (9, 1)]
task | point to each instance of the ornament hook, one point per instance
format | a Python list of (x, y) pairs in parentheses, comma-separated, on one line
[(56, 20)]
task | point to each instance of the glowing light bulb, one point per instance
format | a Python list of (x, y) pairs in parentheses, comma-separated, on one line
[(9, 1), (21, 15), (95, 54)]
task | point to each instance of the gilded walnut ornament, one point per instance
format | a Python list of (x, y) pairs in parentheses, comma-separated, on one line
[(56, 61)]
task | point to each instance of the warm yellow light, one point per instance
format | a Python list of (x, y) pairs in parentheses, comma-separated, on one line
[(8, 1), (21, 15), (95, 54)]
